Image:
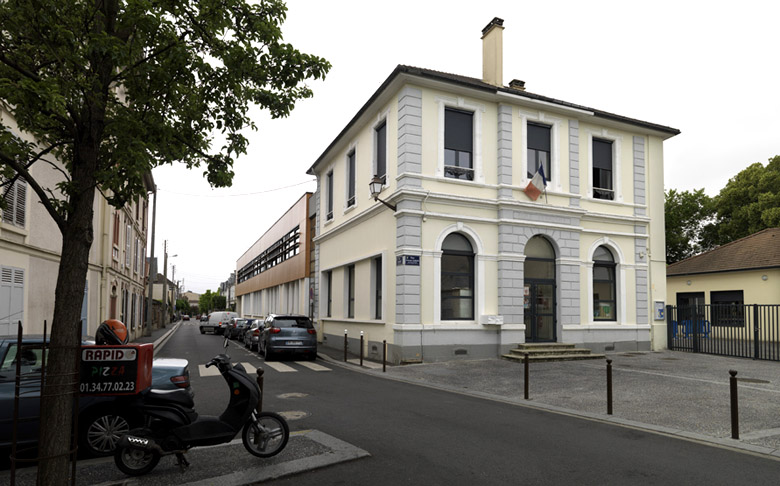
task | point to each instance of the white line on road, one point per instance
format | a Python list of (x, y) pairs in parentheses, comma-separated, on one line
[(313, 366), (280, 367)]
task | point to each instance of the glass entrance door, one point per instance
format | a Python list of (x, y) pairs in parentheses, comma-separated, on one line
[(539, 311)]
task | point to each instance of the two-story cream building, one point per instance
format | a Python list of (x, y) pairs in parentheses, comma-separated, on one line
[(463, 263)]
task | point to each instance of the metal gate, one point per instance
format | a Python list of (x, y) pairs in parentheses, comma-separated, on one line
[(742, 331)]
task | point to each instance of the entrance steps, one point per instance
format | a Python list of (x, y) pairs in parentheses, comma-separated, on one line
[(550, 352)]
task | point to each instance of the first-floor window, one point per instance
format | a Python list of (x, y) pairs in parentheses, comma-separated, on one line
[(329, 195), (378, 287), (351, 291), (329, 290), (602, 170), (728, 308), (11, 299), (604, 285), (15, 202), (458, 144), (457, 278)]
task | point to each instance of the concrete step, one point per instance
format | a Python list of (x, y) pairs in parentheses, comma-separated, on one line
[(544, 346), (542, 351), (552, 357)]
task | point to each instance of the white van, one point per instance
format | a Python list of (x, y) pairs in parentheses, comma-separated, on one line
[(217, 322)]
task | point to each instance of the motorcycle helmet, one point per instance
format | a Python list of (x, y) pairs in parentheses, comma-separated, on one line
[(111, 332)]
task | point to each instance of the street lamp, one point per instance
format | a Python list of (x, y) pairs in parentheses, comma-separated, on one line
[(375, 186)]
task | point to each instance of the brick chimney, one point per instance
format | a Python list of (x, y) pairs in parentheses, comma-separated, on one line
[(493, 52)]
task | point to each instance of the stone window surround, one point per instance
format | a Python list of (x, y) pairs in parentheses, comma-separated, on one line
[(353, 146), (477, 109), (380, 118)]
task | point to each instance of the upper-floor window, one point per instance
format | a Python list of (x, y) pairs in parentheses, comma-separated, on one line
[(351, 178), (14, 197), (458, 144), (329, 195), (380, 137), (603, 187), (539, 148), (604, 285), (128, 243)]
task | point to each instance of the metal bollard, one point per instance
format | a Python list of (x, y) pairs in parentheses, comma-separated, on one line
[(361, 348), (345, 345), (384, 356), (260, 380), (734, 405), (609, 387), (525, 362)]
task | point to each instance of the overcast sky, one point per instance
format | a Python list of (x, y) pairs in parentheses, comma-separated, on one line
[(707, 68)]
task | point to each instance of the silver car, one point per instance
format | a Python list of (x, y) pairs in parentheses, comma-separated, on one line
[(288, 334)]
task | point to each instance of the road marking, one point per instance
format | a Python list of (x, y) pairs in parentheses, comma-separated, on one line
[(313, 366), (214, 371), (280, 367)]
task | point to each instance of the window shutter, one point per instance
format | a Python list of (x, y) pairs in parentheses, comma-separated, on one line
[(11, 298), (602, 154), (20, 209), (458, 130)]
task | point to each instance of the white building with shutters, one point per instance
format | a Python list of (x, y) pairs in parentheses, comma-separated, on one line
[(30, 243)]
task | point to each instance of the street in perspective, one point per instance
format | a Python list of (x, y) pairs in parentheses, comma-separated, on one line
[(467, 422)]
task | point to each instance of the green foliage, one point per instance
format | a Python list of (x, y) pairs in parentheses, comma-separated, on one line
[(182, 305), (205, 302), (219, 302), (689, 217), (750, 202), (116, 88)]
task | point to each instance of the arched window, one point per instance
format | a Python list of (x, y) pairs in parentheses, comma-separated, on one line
[(604, 299), (457, 279)]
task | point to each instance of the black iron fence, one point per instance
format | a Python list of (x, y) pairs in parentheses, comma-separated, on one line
[(742, 331)]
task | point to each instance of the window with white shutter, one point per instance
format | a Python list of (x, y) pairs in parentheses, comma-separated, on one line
[(128, 242), (11, 299)]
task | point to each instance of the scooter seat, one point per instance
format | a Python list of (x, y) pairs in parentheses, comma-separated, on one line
[(178, 397)]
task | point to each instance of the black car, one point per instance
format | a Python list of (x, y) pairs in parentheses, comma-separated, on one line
[(102, 420), (288, 334), (238, 327)]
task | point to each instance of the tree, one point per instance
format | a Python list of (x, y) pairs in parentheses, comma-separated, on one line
[(110, 89), (205, 302), (750, 202), (219, 302), (689, 217), (182, 305)]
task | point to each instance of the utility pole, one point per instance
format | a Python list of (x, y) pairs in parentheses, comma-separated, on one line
[(165, 283), (152, 271), (175, 295)]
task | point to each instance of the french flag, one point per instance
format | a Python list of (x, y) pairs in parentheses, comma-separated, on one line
[(537, 184)]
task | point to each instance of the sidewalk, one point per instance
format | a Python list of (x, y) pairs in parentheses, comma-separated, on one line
[(674, 393)]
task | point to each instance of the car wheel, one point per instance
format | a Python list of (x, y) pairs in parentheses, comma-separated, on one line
[(102, 430), (202, 331)]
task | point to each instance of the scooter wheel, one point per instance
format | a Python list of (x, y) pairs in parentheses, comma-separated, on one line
[(266, 437), (135, 462)]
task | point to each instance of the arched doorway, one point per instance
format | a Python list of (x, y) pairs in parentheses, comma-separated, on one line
[(539, 291), (457, 279)]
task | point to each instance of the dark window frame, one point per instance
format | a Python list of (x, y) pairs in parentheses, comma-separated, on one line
[(351, 166), (537, 147), (611, 268), (470, 255), (378, 287), (350, 291), (459, 150), (726, 310), (603, 175), (380, 142), (329, 287), (329, 196)]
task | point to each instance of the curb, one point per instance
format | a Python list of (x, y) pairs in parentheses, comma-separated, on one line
[(160, 342)]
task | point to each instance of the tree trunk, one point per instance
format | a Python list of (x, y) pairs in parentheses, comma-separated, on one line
[(62, 375)]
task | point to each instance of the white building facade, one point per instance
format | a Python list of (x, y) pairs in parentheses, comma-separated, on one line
[(465, 263)]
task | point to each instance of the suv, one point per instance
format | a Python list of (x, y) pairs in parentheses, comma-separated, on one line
[(102, 419), (288, 334), (217, 323)]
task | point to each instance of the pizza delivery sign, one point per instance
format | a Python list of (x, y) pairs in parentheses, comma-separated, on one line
[(115, 370)]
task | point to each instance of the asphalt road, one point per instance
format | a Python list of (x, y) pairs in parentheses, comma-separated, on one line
[(419, 435)]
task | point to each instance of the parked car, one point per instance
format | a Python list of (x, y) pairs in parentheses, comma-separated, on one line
[(288, 334), (251, 336), (217, 323), (102, 420), (185, 317), (238, 327)]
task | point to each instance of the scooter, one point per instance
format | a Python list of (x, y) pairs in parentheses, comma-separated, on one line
[(173, 427)]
